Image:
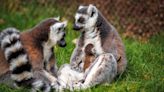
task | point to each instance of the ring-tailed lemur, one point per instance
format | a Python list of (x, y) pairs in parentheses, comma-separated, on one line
[(97, 30), (97, 69), (18, 60), (108, 46), (29, 55)]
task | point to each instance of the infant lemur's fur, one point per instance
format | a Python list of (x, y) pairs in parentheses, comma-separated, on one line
[(89, 55), (28, 56)]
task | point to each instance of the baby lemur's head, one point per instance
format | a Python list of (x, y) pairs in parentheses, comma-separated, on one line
[(89, 50)]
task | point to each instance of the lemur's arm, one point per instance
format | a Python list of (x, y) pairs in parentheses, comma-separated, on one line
[(52, 66), (77, 55), (76, 58)]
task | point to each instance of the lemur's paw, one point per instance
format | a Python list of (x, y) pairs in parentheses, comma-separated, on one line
[(55, 84), (77, 86)]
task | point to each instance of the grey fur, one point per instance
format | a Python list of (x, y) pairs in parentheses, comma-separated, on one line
[(112, 47), (82, 11), (105, 72), (7, 37)]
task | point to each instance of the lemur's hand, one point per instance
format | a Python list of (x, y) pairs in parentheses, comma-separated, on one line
[(58, 87), (79, 85), (77, 66)]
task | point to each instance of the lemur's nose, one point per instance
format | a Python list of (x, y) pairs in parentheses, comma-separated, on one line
[(81, 20)]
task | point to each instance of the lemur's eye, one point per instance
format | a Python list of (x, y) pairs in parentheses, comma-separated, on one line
[(92, 13), (81, 20), (59, 28)]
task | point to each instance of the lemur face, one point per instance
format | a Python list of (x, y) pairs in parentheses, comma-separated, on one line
[(85, 17), (57, 33)]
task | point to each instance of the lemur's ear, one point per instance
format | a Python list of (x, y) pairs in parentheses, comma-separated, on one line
[(92, 10), (80, 7), (57, 18)]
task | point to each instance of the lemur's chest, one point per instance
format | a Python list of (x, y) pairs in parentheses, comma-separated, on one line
[(47, 52), (93, 38)]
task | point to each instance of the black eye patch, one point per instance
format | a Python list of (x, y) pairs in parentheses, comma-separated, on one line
[(92, 13), (81, 20), (59, 28)]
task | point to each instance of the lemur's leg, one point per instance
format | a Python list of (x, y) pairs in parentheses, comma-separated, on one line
[(103, 70), (67, 77), (46, 76), (39, 71), (50, 77), (52, 66)]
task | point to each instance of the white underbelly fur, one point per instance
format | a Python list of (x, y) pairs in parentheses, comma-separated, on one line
[(67, 77)]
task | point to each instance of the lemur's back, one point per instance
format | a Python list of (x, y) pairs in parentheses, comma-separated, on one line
[(111, 42), (34, 53)]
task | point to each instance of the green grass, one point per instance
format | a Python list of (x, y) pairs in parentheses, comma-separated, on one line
[(145, 71)]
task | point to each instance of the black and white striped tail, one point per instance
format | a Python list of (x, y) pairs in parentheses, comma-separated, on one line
[(17, 57)]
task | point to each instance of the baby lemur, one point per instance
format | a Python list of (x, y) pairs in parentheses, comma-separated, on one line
[(89, 55)]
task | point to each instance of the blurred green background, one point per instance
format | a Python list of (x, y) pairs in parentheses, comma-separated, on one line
[(140, 24)]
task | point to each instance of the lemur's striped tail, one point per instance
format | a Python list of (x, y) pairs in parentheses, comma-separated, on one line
[(17, 57)]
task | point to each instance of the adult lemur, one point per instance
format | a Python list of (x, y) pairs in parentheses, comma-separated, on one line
[(99, 54), (97, 30), (27, 58)]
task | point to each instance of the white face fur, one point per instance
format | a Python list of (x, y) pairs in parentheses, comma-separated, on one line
[(57, 32), (88, 19)]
